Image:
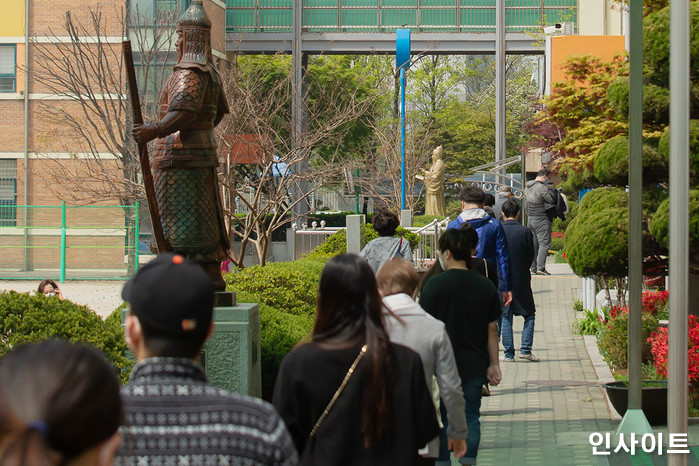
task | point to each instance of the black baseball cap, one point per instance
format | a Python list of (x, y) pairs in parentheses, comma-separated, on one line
[(171, 294)]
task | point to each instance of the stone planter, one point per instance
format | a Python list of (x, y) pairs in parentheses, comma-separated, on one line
[(653, 401)]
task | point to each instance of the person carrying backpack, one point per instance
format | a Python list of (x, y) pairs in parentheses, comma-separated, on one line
[(387, 246), (538, 199)]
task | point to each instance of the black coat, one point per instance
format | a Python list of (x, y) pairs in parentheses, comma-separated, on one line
[(520, 242), (308, 378)]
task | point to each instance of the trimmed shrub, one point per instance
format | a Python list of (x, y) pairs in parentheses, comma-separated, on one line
[(664, 148), (30, 319), (659, 225), (612, 162), (614, 337), (597, 242), (289, 286), (603, 198), (656, 100), (618, 95), (656, 53), (656, 104)]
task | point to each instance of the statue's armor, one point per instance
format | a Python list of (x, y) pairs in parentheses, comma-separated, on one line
[(184, 168)]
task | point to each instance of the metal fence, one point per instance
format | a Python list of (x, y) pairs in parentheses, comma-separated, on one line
[(388, 15), (301, 241), (65, 242)]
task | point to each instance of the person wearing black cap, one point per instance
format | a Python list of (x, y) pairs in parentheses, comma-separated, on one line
[(172, 414)]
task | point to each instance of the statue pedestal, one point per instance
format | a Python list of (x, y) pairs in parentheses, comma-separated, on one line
[(231, 356)]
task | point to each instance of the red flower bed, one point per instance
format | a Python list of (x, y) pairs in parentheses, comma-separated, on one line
[(556, 234), (654, 301), (658, 342)]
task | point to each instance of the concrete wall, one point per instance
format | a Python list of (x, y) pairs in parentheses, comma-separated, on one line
[(600, 18)]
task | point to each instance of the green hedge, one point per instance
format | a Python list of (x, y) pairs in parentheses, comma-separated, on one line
[(29, 319), (290, 286), (334, 219), (286, 293), (422, 220)]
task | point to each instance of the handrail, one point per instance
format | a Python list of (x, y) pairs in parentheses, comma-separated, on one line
[(431, 225)]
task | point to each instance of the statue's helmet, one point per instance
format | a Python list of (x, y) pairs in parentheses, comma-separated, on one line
[(195, 27)]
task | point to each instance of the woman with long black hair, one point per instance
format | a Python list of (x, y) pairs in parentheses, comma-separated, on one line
[(350, 396)]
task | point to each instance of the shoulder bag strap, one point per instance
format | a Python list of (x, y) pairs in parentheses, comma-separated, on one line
[(337, 393), (485, 265)]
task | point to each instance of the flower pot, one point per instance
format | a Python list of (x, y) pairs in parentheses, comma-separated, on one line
[(653, 399)]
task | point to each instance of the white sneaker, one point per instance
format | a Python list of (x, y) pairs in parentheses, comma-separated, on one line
[(529, 357)]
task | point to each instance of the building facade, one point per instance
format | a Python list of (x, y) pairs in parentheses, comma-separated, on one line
[(44, 160)]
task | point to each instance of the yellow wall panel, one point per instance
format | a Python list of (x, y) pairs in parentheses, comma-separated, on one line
[(12, 18)]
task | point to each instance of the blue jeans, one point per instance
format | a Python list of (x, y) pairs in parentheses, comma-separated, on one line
[(472, 394), (527, 331)]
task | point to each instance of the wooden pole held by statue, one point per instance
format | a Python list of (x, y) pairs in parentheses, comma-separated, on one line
[(143, 149)]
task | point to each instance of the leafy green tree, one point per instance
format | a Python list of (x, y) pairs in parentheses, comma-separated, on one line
[(577, 119)]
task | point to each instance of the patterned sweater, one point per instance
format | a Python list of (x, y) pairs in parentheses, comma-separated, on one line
[(174, 417)]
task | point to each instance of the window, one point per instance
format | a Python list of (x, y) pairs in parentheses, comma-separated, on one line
[(8, 192), (8, 68)]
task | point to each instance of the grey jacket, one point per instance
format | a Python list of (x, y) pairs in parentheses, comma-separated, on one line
[(427, 336), (383, 249), (538, 196)]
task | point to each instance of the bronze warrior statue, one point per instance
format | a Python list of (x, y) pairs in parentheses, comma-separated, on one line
[(184, 159)]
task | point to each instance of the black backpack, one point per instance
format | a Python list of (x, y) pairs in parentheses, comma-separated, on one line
[(559, 208)]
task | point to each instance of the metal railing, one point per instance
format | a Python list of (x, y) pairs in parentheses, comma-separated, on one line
[(388, 15), (427, 245), (304, 240), (64, 242)]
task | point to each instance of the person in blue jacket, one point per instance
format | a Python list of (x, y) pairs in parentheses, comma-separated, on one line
[(491, 237)]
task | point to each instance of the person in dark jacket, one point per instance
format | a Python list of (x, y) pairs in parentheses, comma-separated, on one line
[(383, 412), (521, 245), (491, 238), (173, 416)]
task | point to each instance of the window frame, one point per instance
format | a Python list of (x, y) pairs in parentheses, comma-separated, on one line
[(13, 75), (8, 205)]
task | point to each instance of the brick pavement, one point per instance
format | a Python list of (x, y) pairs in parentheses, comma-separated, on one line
[(542, 413)]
